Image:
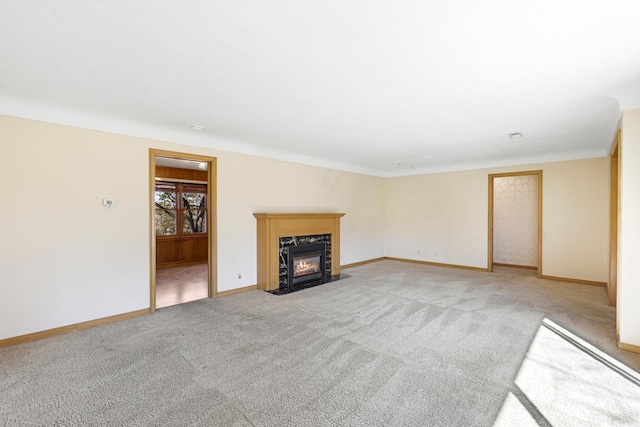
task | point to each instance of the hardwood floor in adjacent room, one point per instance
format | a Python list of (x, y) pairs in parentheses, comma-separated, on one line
[(178, 285)]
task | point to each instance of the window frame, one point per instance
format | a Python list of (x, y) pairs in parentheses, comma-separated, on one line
[(180, 209)]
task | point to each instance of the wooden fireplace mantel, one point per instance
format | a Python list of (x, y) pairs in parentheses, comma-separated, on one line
[(273, 226)]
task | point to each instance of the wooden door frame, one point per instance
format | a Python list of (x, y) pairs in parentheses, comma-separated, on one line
[(211, 218), (537, 173), (614, 219)]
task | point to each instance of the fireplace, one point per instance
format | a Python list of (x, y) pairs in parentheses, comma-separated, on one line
[(277, 232), (306, 263)]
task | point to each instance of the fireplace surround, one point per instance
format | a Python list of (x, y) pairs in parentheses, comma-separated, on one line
[(278, 232)]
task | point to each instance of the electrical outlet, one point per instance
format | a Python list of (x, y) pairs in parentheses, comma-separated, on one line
[(239, 275)]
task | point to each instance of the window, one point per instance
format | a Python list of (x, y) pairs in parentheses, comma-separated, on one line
[(181, 209), (194, 208)]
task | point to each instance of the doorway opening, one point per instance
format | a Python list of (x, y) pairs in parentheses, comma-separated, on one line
[(515, 221), (183, 231)]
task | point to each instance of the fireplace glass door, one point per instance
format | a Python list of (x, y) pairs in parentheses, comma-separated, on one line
[(306, 263)]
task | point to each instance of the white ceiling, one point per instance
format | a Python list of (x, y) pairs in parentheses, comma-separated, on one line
[(380, 87), (181, 164)]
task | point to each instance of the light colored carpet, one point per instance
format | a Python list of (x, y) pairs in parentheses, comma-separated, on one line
[(566, 382), (395, 344)]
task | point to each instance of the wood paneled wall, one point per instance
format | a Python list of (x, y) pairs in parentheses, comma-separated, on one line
[(175, 173), (174, 252)]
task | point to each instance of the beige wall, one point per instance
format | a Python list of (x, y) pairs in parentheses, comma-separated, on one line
[(629, 255), (443, 217), (575, 219), (438, 217), (250, 184), (66, 259)]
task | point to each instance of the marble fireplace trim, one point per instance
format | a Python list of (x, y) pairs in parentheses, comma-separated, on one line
[(272, 226)]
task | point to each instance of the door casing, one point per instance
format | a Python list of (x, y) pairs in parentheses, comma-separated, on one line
[(211, 218), (537, 173)]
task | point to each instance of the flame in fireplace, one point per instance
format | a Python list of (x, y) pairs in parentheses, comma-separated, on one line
[(305, 267)]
